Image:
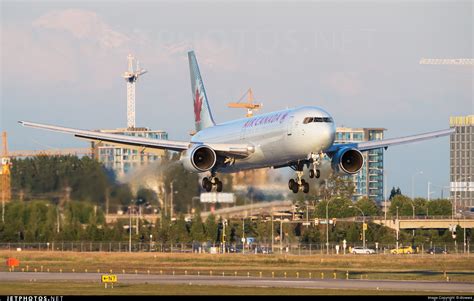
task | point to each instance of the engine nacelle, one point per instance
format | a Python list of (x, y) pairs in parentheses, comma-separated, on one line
[(199, 158), (347, 160)]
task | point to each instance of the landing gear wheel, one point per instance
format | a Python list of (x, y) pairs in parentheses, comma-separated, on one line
[(208, 186), (318, 173), (295, 188), (291, 183), (218, 186), (305, 187), (205, 181), (311, 173)]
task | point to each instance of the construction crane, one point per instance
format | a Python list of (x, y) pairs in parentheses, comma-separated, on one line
[(462, 61), (249, 105), (5, 175), (131, 78)]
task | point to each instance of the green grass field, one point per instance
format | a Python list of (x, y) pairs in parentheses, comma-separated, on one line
[(393, 267), (396, 267)]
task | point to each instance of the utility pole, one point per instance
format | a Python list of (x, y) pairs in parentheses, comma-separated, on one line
[(243, 235), (384, 174), (281, 234), (272, 232), (130, 229), (327, 229), (364, 226), (398, 227), (171, 201), (138, 218)]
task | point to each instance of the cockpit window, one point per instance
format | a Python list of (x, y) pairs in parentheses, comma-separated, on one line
[(317, 119)]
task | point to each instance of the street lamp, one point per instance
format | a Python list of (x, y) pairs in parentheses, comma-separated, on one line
[(151, 237), (398, 227), (130, 228), (363, 224), (327, 225), (412, 203)]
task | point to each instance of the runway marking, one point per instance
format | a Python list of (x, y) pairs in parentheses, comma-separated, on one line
[(428, 286)]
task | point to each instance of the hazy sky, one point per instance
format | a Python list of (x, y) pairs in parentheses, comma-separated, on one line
[(61, 63)]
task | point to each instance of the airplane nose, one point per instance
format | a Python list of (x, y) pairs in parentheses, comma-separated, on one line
[(327, 135)]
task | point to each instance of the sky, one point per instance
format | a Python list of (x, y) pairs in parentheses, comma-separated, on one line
[(61, 63)]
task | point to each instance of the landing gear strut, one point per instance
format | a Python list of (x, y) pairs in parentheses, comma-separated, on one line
[(299, 183), (316, 159), (209, 182)]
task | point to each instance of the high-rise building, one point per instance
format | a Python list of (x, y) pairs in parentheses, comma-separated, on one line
[(462, 162), (121, 160), (370, 179)]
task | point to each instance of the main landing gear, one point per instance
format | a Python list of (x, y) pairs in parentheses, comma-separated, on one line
[(209, 182), (313, 160), (299, 183)]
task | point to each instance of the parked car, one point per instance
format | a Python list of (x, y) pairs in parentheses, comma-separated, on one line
[(263, 250), (362, 250), (437, 250), (403, 250)]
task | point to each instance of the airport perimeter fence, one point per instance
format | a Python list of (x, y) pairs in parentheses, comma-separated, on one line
[(209, 248)]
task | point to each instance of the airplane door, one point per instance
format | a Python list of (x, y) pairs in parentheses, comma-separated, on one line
[(289, 129)]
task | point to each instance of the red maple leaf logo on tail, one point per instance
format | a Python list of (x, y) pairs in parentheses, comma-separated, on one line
[(197, 106)]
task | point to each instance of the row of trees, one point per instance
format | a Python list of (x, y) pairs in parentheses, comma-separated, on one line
[(40, 221)]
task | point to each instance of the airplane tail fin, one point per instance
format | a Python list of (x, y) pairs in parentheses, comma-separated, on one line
[(202, 112)]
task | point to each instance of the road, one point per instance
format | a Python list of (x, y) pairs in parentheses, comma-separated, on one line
[(427, 286)]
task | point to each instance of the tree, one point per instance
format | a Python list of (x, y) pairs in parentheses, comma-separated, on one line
[(338, 207), (197, 228), (404, 205), (368, 206), (440, 207), (181, 230), (211, 228), (394, 192)]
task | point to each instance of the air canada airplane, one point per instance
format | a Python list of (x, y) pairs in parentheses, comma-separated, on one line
[(298, 138)]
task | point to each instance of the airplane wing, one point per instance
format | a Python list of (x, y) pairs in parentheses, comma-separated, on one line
[(143, 144), (369, 145)]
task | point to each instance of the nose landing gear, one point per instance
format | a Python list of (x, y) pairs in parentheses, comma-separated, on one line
[(316, 160)]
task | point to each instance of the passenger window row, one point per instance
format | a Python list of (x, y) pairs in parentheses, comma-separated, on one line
[(317, 119)]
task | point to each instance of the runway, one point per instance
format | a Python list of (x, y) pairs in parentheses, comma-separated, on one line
[(420, 286)]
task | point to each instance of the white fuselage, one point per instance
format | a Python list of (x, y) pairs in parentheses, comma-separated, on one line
[(278, 138)]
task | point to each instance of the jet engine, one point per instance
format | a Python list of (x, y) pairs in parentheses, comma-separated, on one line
[(347, 160), (199, 158)]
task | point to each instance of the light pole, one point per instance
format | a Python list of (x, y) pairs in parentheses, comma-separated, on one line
[(363, 224), (130, 228), (151, 240), (412, 203), (327, 225), (398, 227), (243, 235)]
